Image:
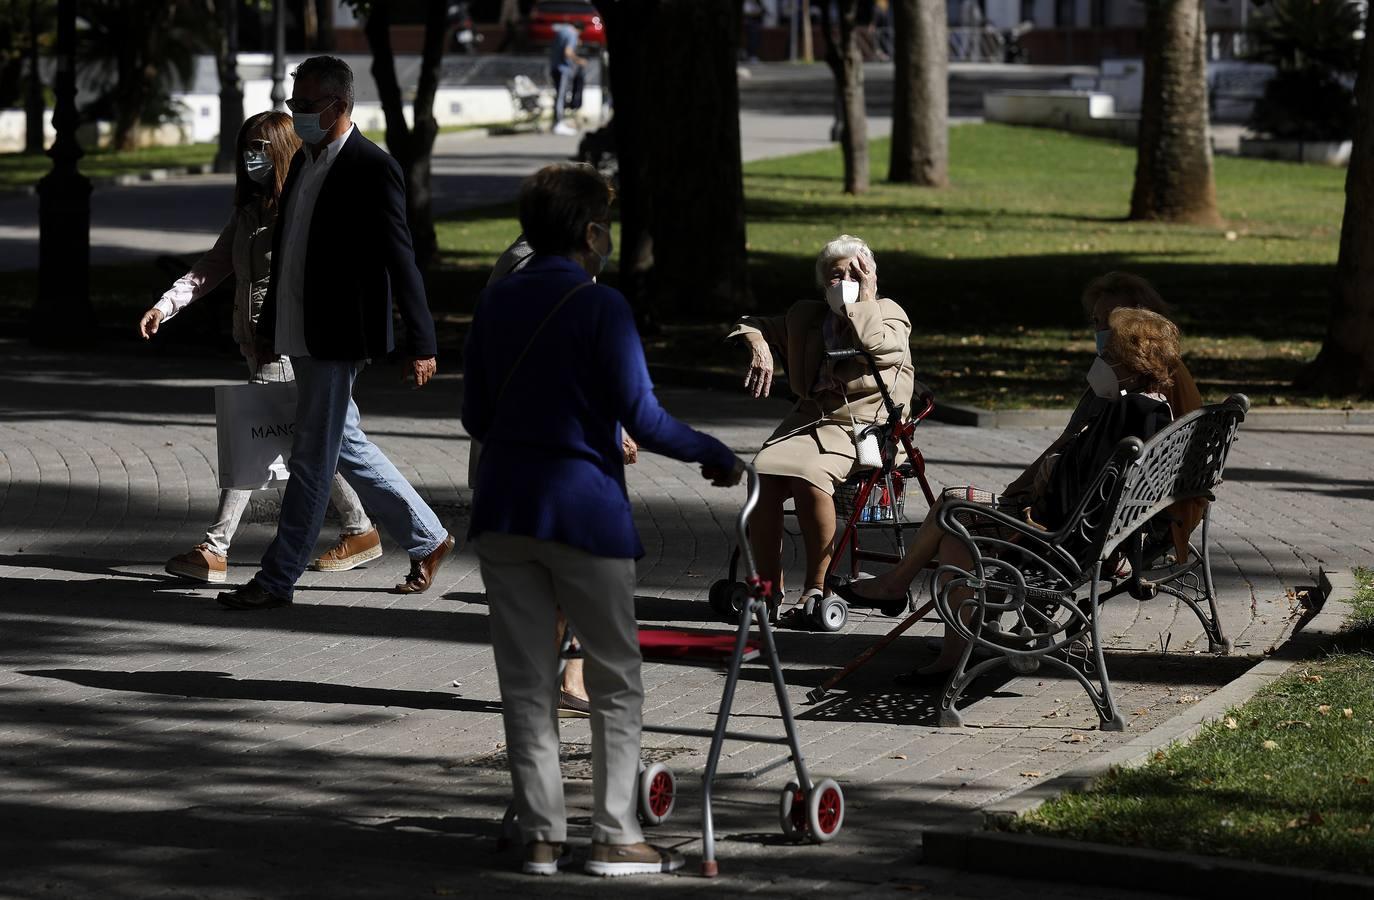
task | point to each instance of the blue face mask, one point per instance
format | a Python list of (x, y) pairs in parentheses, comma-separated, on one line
[(604, 258), (307, 127), (1103, 337)]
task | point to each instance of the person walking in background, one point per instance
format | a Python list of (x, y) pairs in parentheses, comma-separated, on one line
[(340, 257), (567, 70), (551, 514), (266, 144)]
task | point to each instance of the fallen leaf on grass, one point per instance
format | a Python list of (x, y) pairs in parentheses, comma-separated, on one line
[(1324, 709), (1231, 723), (1312, 679), (1292, 722), (1159, 755), (1270, 745), (1359, 779), (1348, 713), (1359, 829), (1313, 819)]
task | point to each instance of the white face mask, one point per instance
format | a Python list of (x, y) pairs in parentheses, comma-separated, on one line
[(258, 166), (841, 294), (1102, 379)]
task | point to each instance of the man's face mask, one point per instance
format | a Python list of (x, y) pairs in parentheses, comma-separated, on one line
[(308, 128)]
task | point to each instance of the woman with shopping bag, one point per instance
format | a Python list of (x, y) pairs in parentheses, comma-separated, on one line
[(266, 143)]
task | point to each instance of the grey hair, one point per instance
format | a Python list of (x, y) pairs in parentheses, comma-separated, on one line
[(333, 74), (843, 247)]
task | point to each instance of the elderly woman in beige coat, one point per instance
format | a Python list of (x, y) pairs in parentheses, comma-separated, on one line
[(812, 451)]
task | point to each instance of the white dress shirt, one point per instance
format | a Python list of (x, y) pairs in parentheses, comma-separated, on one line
[(295, 239)]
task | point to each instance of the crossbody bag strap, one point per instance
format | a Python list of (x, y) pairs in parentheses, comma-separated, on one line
[(501, 391)]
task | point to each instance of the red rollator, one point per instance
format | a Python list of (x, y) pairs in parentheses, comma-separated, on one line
[(807, 810)]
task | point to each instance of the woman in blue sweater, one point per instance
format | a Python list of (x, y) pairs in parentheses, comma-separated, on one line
[(554, 371)]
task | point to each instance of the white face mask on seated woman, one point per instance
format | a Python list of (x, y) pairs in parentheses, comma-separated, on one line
[(1102, 379), (841, 294)]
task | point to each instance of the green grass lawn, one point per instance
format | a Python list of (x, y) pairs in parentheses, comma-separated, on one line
[(20, 170), (1285, 778), (991, 269)]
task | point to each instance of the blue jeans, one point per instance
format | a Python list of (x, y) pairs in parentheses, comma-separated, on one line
[(327, 438)]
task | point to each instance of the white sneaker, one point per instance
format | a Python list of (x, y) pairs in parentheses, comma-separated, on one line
[(564, 128)]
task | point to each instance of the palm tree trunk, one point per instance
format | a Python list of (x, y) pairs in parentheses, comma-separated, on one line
[(1346, 362), (1173, 175), (920, 100)]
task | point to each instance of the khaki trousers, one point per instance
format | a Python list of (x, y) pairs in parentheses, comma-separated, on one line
[(527, 581)]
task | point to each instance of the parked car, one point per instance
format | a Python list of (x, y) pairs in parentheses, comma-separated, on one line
[(547, 13)]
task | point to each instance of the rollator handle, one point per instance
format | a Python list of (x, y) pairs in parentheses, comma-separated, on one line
[(751, 500)]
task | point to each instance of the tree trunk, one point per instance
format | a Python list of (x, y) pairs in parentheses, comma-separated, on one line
[(1346, 362), (920, 94), (1173, 174), (677, 138), (412, 148), (230, 86), (324, 25), (33, 98), (847, 65)]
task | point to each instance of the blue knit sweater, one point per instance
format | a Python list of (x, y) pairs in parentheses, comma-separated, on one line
[(551, 465)]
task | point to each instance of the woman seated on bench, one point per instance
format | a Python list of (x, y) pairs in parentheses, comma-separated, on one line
[(1130, 382), (812, 451)]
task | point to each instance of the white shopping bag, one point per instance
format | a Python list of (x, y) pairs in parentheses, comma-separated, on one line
[(255, 424)]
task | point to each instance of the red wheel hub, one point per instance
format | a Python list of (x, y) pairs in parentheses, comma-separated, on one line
[(828, 810), (661, 793), (798, 813)]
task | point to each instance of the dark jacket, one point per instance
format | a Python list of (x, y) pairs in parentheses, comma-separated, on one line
[(359, 259)]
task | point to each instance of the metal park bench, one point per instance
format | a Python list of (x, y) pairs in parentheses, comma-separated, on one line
[(1031, 597)]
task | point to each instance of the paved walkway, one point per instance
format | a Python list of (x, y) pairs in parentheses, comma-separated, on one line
[(156, 745)]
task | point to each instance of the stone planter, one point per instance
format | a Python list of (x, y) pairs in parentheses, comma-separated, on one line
[(1326, 153)]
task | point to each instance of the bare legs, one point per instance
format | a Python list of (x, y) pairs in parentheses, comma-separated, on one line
[(929, 544), (815, 515)]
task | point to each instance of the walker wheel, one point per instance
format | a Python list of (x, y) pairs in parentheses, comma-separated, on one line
[(510, 829), (739, 595), (719, 596), (792, 810), (657, 794), (832, 613), (825, 811)]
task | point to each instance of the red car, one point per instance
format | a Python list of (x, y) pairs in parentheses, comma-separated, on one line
[(547, 13)]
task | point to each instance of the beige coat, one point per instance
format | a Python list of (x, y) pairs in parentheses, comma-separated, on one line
[(880, 326)]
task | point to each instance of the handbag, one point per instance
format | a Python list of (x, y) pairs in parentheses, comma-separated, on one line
[(254, 427), (475, 448)]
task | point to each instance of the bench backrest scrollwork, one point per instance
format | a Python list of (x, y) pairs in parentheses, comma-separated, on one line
[(1184, 461)]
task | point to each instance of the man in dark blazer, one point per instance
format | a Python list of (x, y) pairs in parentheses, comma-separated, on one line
[(341, 257)]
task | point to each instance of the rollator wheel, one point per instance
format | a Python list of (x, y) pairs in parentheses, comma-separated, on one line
[(657, 794), (792, 810), (719, 596), (825, 811), (739, 595), (510, 829), (896, 608), (832, 614)]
